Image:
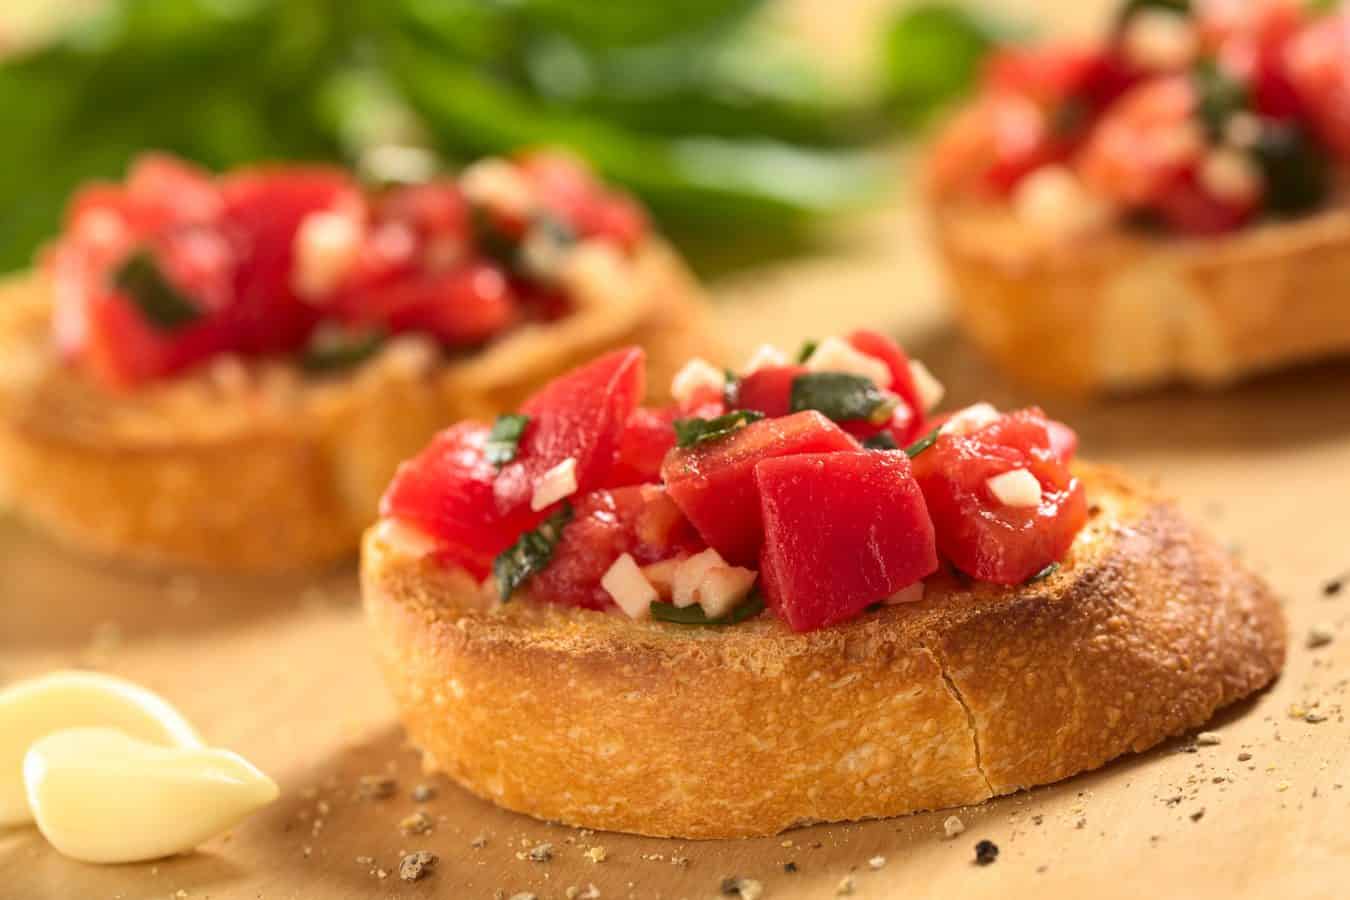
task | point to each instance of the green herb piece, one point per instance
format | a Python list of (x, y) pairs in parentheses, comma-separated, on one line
[(1043, 573), (504, 439), (808, 347), (492, 241), (339, 350), (842, 397), (162, 305), (694, 614), (882, 440), (923, 443), (530, 553), (1220, 97), (692, 432), (1297, 175)]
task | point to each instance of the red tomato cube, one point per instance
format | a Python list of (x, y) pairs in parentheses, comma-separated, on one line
[(768, 390), (714, 483), (647, 438), (841, 531)]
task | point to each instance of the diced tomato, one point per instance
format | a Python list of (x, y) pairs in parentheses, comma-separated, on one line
[(581, 416), (263, 211), (1249, 40), (908, 423), (714, 483), (768, 390), (1145, 144), (641, 521), (461, 306), (647, 437), (446, 491), (1056, 74), (433, 210), (983, 537), (566, 187), (841, 531), (124, 350), (1318, 64), (1188, 208), (1063, 440), (166, 191)]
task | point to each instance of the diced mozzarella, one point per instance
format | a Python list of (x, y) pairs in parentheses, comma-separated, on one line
[(765, 356), (838, 355), (496, 185), (697, 375), (555, 484), (543, 254), (972, 418), (404, 539), (723, 588), (1160, 40), (931, 391), (326, 246), (911, 594), (662, 574), (630, 589), (1016, 487), (689, 576), (1054, 201)]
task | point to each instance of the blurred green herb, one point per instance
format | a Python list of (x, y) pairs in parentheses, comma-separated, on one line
[(164, 306)]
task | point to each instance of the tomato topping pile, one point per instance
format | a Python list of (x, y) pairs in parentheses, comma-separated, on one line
[(753, 490), (174, 265), (1198, 118)]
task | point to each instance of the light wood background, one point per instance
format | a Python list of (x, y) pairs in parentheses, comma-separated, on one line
[(280, 671)]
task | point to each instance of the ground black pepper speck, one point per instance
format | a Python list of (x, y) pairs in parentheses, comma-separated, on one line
[(985, 853)]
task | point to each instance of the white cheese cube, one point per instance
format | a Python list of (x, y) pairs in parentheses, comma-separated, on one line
[(972, 418), (326, 246), (697, 375), (689, 576), (630, 589), (723, 588), (662, 574), (930, 389), (838, 355), (555, 484), (498, 186), (1054, 201), (1016, 487), (765, 356), (1160, 40)]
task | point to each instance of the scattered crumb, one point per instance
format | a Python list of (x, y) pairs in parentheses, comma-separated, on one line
[(1208, 739), (525, 895), (985, 853), (479, 842), (1198, 814), (790, 867), (376, 787), (953, 826), (745, 888), (417, 865), (1282, 786), (845, 886), (417, 823), (423, 793), (877, 862), (1320, 635), (1313, 718), (597, 854), (589, 892), (539, 853), (1244, 757)]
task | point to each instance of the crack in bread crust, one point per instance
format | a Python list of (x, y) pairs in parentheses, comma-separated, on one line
[(594, 720)]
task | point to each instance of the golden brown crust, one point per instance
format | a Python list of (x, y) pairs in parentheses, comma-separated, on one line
[(597, 721), (1113, 311), (248, 466)]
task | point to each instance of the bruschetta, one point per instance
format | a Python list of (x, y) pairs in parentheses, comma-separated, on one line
[(223, 372), (795, 595), (1169, 203)]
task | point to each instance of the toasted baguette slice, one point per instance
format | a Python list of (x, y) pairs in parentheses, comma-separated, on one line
[(251, 466), (1114, 311), (598, 721)]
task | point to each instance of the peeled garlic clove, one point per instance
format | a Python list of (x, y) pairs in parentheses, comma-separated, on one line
[(35, 708), (101, 796)]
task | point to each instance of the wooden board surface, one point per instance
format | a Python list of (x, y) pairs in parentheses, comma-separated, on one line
[(280, 671)]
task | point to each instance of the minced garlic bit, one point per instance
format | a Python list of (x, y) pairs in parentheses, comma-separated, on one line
[(326, 246), (970, 419), (629, 588), (1016, 487), (1160, 40), (554, 485), (498, 186), (723, 588), (1231, 175), (689, 575), (765, 356), (696, 375), (837, 355), (952, 826), (1054, 201), (931, 391)]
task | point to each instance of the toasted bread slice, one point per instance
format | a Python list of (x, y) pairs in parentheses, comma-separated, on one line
[(251, 465), (595, 720), (1115, 311)]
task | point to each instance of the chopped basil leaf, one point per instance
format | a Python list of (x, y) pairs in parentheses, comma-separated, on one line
[(161, 304), (808, 347), (842, 397), (882, 440), (504, 439), (336, 351), (923, 443), (1297, 175), (731, 391), (1043, 573), (491, 240), (530, 553), (1221, 96), (691, 432), (694, 614)]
